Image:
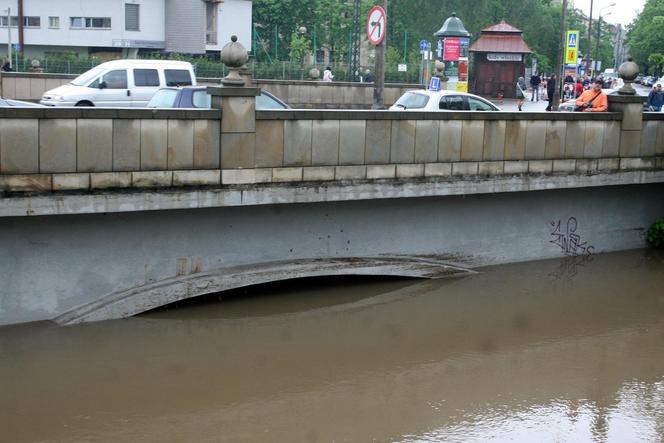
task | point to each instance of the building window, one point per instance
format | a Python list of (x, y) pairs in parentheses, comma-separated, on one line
[(90, 22), (132, 15), (32, 22), (28, 22), (54, 22)]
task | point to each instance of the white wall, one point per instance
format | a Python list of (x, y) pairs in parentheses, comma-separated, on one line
[(234, 19), (151, 22)]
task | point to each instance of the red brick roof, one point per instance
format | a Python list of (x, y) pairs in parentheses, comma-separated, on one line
[(503, 38), (502, 27)]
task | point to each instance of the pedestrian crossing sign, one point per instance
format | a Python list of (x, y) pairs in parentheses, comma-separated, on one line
[(572, 48)]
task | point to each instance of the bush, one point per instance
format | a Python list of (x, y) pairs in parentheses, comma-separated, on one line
[(655, 234)]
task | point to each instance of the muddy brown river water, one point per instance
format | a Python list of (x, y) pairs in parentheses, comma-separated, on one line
[(549, 351)]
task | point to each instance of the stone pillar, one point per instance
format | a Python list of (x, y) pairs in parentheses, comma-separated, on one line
[(631, 107), (238, 124)]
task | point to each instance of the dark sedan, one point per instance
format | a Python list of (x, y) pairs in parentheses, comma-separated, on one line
[(197, 97)]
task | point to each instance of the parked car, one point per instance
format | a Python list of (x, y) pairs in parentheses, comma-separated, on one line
[(8, 103), (197, 97), (421, 100), (128, 83)]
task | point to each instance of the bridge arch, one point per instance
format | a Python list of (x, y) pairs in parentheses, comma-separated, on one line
[(133, 301)]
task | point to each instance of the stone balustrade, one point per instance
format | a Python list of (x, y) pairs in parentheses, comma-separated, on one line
[(86, 149)]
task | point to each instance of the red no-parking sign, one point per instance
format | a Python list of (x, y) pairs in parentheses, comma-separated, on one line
[(376, 25)]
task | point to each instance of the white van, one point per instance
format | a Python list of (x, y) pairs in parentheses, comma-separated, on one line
[(127, 83)]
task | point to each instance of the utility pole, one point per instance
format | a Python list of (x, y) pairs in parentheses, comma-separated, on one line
[(562, 37), (590, 27), (20, 27), (9, 35), (355, 43), (379, 86)]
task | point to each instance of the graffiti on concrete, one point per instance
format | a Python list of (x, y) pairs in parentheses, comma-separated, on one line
[(566, 237)]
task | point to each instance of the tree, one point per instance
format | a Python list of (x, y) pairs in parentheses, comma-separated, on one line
[(644, 36)]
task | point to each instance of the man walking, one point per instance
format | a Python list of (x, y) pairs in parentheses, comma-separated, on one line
[(550, 90), (535, 81), (656, 99)]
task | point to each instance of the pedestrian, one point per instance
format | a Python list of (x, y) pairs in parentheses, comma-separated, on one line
[(535, 81), (578, 88), (550, 90), (327, 75), (593, 100), (6, 65), (521, 92), (656, 98)]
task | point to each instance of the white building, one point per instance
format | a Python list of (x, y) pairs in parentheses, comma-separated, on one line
[(87, 27)]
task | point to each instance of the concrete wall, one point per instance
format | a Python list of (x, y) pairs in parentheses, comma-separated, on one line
[(51, 265)]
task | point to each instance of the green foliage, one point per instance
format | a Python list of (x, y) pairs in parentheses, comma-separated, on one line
[(655, 234), (645, 34), (656, 63), (300, 46)]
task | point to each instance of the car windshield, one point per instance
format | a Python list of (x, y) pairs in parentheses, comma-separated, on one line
[(84, 78), (412, 100), (264, 101), (164, 98)]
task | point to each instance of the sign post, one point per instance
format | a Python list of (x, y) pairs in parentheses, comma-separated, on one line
[(376, 31)]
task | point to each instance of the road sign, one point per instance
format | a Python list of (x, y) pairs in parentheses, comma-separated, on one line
[(572, 47), (435, 84), (376, 25), (424, 45)]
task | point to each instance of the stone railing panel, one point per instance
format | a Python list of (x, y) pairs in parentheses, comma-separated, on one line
[(648, 138), (207, 139), (449, 140), (154, 145), (352, 142), (298, 142), (575, 138), (494, 140), (554, 146), (426, 141), (94, 145), (269, 143), (57, 145), (402, 144), (472, 140), (515, 139), (126, 145), (378, 141), (611, 144), (325, 143), (594, 139), (19, 146), (536, 132), (180, 150)]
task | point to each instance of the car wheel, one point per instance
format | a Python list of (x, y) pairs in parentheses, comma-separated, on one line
[(84, 103)]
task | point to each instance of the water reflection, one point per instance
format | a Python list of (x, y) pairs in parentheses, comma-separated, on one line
[(545, 351)]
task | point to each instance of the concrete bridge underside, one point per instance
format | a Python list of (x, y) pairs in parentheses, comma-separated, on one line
[(74, 268)]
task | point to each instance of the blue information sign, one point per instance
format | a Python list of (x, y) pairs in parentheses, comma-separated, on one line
[(435, 84), (424, 45)]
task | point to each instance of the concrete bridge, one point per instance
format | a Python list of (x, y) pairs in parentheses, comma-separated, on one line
[(106, 213)]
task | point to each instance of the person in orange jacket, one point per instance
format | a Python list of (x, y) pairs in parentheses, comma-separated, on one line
[(593, 100)]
